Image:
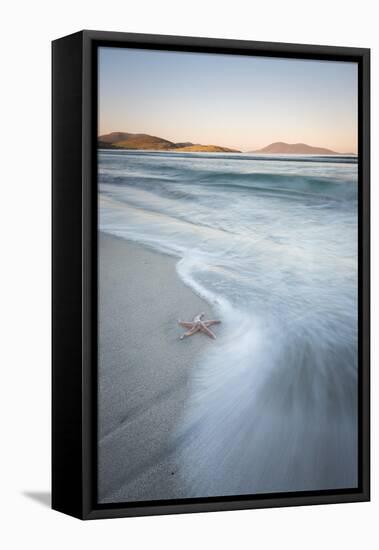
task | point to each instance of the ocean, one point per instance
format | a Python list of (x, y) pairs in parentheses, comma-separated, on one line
[(271, 244)]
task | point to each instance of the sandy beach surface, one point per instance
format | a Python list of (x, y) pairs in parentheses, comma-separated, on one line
[(144, 370)]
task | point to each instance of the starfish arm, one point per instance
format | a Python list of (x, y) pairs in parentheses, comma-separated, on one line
[(208, 332), (190, 332), (185, 324), (212, 322)]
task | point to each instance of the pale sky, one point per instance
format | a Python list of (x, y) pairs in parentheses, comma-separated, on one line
[(233, 101)]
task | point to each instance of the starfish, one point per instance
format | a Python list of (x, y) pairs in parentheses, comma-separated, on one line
[(198, 325)]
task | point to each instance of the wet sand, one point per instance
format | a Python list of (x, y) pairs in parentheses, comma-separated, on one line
[(144, 370)]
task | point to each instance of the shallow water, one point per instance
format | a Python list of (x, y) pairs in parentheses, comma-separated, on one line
[(271, 242)]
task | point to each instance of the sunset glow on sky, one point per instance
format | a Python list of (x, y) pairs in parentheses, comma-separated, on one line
[(233, 101)]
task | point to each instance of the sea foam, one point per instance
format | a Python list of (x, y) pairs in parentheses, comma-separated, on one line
[(271, 243)]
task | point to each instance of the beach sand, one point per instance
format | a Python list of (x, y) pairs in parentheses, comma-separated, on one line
[(144, 370)]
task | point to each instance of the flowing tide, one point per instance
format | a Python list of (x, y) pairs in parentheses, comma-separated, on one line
[(271, 243)]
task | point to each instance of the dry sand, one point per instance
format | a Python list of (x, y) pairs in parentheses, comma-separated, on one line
[(144, 370)]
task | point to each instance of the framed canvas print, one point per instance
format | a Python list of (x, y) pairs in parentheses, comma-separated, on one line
[(210, 274)]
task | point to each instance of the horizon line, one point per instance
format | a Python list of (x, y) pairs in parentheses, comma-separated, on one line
[(243, 150)]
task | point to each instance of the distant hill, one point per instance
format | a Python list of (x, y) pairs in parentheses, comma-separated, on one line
[(205, 148), (125, 140), (105, 145), (281, 148)]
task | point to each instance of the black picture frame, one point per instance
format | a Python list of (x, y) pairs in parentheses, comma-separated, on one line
[(74, 272)]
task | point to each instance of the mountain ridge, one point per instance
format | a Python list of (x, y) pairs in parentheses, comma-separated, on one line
[(282, 148), (127, 140), (141, 141)]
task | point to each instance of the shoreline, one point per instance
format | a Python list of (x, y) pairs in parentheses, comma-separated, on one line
[(254, 153), (144, 370)]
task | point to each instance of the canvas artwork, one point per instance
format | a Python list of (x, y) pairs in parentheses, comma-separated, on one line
[(227, 275)]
